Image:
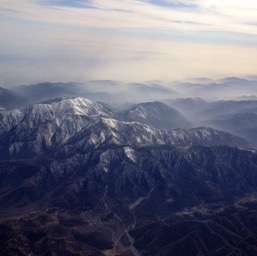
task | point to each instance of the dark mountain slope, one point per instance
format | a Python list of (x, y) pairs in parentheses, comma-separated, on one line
[(10, 99), (166, 197)]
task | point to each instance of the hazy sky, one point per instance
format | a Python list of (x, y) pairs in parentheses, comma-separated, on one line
[(129, 40)]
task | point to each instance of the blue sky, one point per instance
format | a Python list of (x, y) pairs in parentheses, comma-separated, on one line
[(128, 40)]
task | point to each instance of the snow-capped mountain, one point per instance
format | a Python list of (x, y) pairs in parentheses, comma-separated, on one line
[(69, 124), (155, 114), (42, 125), (108, 131)]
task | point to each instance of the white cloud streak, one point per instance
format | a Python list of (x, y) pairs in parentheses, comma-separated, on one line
[(224, 15)]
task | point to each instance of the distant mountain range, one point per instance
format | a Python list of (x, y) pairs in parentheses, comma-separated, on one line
[(234, 116), (227, 88), (10, 100), (114, 93)]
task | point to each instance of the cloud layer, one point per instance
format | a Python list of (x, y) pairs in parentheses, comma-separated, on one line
[(130, 40)]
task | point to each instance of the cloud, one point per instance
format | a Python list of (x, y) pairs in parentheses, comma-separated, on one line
[(175, 4), (138, 14), (125, 39), (68, 3)]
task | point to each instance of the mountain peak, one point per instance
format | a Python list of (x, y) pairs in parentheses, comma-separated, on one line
[(73, 105), (156, 114)]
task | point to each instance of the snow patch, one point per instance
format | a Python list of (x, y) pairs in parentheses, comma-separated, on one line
[(129, 152)]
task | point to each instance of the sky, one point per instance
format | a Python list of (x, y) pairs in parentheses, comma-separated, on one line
[(126, 40)]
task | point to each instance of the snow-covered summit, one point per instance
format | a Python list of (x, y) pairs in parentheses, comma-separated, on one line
[(57, 110), (76, 106)]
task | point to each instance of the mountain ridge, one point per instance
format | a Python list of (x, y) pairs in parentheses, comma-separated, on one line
[(43, 127)]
